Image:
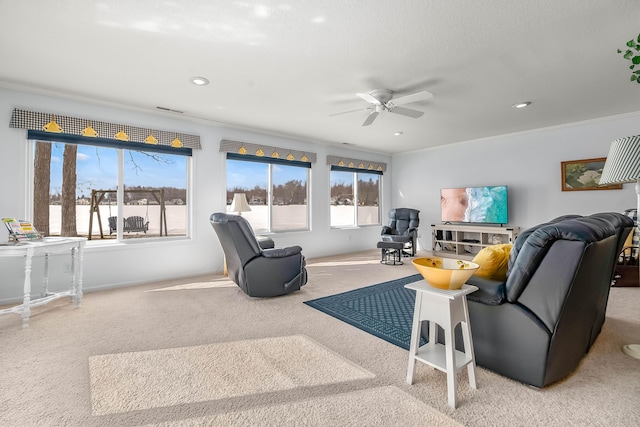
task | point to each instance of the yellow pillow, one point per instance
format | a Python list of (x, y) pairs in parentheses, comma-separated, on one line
[(493, 261)]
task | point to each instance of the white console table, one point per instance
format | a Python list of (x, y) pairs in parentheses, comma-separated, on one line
[(47, 246)]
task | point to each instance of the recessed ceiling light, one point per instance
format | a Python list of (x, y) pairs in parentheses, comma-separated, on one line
[(199, 81), (398, 133), (522, 104)]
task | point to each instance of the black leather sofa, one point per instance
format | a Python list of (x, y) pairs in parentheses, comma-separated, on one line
[(256, 266), (536, 326)]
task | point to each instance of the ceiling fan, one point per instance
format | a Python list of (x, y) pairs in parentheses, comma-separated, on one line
[(382, 100)]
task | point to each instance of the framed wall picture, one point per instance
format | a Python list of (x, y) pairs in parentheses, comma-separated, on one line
[(581, 175)]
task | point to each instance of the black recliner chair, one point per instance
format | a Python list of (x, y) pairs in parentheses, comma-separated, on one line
[(403, 227), (259, 272)]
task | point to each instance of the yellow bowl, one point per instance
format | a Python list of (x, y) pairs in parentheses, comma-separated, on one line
[(445, 273)]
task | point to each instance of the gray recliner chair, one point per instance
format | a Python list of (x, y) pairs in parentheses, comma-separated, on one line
[(403, 227), (258, 271)]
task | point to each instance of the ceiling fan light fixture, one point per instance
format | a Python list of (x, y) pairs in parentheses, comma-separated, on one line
[(381, 100), (199, 81), (521, 104)]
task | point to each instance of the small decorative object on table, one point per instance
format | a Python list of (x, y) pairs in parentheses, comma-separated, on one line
[(445, 273), (21, 230)]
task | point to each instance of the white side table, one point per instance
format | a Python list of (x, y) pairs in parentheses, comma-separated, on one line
[(445, 308)]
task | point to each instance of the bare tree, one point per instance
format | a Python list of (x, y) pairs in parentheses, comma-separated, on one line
[(41, 183), (69, 191), (291, 190)]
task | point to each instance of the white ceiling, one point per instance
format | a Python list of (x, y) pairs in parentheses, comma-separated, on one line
[(283, 67)]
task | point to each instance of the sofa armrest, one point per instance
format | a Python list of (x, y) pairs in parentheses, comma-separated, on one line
[(490, 292), (281, 252)]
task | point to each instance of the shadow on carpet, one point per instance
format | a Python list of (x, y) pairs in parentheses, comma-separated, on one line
[(384, 310)]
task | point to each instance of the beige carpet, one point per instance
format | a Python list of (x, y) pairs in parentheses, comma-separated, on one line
[(46, 370), (360, 408), (220, 283), (126, 382)]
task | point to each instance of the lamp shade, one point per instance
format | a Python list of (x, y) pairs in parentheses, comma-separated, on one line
[(623, 165), (623, 161), (239, 203)]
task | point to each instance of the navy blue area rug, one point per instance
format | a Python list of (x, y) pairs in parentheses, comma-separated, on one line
[(384, 310)]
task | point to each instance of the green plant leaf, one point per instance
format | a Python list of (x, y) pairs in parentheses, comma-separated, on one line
[(628, 54), (619, 51), (636, 60), (636, 72), (631, 43), (634, 77), (638, 38), (632, 67)]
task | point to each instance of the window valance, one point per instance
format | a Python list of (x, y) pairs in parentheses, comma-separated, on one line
[(265, 151), (119, 134), (356, 165)]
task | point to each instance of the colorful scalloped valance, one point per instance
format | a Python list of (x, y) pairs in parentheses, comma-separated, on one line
[(365, 165), (257, 150), (55, 123)]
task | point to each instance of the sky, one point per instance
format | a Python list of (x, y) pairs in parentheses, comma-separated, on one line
[(247, 175), (97, 169)]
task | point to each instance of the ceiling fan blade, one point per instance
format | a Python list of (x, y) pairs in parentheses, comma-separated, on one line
[(350, 111), (406, 112), (419, 96), (369, 98), (370, 118)]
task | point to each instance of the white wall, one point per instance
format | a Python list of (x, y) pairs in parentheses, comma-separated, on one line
[(131, 263), (528, 162)]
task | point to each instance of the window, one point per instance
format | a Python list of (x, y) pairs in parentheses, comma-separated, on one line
[(277, 192), (76, 185), (367, 196), (355, 197)]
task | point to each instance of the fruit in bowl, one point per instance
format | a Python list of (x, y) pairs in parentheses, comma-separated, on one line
[(445, 273)]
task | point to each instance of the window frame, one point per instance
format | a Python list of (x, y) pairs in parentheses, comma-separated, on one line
[(270, 162), (356, 172), (33, 136)]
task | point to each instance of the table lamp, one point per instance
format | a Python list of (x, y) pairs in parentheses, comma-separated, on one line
[(239, 203), (623, 165)]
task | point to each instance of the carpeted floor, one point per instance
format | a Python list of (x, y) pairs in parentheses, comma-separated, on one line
[(358, 408), (47, 369), (126, 382)]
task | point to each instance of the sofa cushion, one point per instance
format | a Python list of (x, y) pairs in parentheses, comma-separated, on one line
[(493, 261)]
